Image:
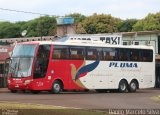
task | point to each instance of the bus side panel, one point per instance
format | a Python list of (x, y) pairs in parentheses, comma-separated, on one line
[(97, 78), (73, 66), (147, 75), (62, 70)]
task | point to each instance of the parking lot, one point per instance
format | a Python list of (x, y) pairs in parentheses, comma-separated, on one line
[(142, 99)]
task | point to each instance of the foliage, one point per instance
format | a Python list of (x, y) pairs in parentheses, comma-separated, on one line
[(43, 26), (96, 23), (100, 24), (8, 30), (149, 23), (126, 25)]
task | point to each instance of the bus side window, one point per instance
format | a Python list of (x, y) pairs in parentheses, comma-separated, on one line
[(109, 54), (123, 54), (60, 52), (77, 53), (92, 54), (147, 55), (134, 55)]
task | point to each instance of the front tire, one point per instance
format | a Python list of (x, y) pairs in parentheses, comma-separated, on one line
[(56, 87), (123, 86)]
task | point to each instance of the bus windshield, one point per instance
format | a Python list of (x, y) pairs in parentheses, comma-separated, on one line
[(26, 50), (21, 67), (22, 59)]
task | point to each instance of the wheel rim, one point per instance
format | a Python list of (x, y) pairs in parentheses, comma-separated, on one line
[(123, 87), (57, 87), (133, 86)]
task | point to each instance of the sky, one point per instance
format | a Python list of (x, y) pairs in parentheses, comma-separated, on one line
[(124, 9)]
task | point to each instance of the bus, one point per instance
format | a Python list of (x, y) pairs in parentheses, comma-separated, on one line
[(57, 66)]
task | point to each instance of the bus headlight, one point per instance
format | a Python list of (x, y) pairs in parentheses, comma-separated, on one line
[(27, 81), (9, 81)]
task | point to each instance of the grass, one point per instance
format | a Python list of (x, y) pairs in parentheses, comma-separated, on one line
[(33, 109), (156, 98)]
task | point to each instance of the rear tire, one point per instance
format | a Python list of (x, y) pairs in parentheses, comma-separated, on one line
[(56, 87), (123, 86), (133, 86)]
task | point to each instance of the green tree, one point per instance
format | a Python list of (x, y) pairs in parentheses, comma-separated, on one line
[(43, 26), (100, 24), (149, 23), (126, 25), (9, 30)]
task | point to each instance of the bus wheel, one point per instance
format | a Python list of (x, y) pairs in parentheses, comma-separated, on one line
[(123, 86), (56, 87), (133, 86), (13, 91)]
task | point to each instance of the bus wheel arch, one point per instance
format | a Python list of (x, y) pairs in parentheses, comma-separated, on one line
[(123, 86), (133, 85), (57, 86)]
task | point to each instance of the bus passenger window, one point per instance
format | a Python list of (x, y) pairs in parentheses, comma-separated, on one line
[(92, 54), (60, 52), (77, 53), (109, 54), (147, 55), (134, 55), (123, 54), (57, 54)]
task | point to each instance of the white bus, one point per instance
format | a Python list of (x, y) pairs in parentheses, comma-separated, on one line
[(80, 66)]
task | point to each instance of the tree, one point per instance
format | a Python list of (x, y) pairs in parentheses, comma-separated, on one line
[(149, 23), (43, 26), (126, 25), (100, 24), (9, 30)]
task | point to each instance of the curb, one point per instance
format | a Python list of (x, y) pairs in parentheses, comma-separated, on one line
[(4, 90)]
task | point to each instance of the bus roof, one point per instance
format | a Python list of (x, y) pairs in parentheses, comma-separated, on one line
[(96, 44)]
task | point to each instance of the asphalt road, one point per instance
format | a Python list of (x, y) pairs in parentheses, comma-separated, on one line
[(89, 100)]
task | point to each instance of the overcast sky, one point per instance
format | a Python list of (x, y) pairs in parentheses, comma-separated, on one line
[(124, 9)]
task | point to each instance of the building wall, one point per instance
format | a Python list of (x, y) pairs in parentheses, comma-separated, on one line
[(66, 29), (142, 40)]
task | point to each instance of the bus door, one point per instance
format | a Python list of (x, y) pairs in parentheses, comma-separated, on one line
[(41, 66)]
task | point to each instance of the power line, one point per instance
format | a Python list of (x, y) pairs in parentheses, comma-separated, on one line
[(19, 11)]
